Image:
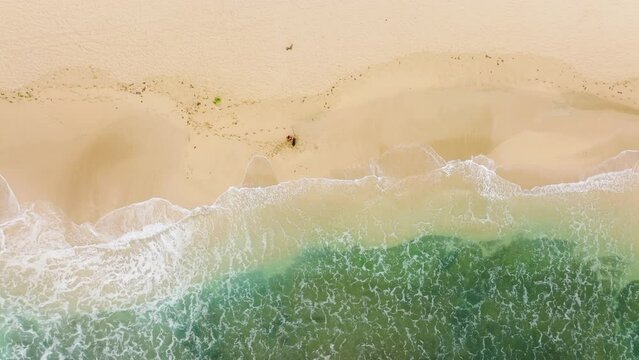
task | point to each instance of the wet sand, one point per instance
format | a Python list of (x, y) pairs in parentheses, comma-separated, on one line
[(89, 143)]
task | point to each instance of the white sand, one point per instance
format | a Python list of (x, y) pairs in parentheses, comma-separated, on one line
[(238, 47), (105, 105)]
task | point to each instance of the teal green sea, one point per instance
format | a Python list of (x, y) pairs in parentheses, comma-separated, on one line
[(433, 297), (452, 263)]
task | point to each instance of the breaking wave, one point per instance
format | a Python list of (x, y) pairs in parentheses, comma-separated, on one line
[(434, 259)]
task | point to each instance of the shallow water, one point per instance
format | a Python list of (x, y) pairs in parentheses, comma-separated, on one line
[(448, 262)]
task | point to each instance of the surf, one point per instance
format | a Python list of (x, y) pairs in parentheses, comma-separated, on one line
[(225, 280)]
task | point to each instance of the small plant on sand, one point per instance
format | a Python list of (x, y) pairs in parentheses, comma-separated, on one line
[(217, 100)]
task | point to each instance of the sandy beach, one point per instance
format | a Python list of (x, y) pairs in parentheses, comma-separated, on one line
[(89, 143), (322, 180), (117, 104)]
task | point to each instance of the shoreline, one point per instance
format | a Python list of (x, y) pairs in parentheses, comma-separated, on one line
[(102, 144), (250, 226), (336, 179)]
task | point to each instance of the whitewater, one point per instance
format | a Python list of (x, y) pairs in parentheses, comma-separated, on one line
[(444, 259)]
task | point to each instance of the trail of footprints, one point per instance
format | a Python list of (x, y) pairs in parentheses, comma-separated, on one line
[(209, 114)]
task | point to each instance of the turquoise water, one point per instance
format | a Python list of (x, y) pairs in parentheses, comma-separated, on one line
[(451, 263), (433, 297)]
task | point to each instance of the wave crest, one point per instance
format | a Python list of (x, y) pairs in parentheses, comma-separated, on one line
[(150, 250)]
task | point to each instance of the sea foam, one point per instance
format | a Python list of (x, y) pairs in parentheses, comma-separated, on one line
[(149, 250), (153, 278)]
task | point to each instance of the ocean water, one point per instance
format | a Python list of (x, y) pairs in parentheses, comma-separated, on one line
[(448, 262)]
